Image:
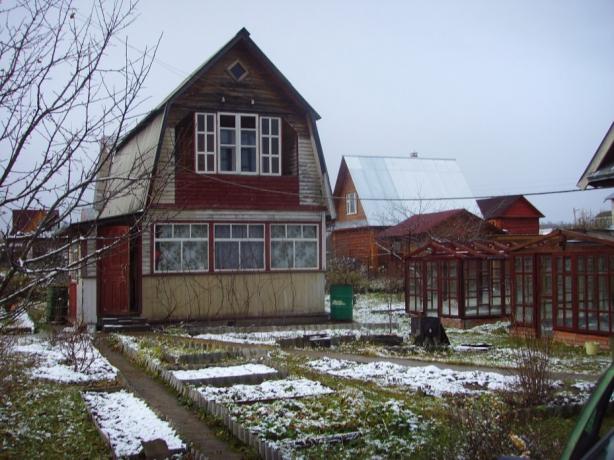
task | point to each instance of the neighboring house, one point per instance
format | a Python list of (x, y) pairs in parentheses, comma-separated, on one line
[(603, 219), (600, 170), (513, 214), (455, 224), (35, 228), (235, 211), (375, 192)]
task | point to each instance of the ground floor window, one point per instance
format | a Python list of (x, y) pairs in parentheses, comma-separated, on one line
[(239, 246), (181, 247), (294, 246)]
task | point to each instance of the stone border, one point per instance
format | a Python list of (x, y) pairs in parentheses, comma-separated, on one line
[(266, 450)]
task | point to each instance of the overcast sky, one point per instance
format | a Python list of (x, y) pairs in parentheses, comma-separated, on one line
[(521, 93)]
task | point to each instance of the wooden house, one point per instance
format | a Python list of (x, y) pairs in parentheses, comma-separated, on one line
[(375, 192), (230, 219), (600, 170), (513, 214)]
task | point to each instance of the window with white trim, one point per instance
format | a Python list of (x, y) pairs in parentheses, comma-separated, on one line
[(238, 146), (181, 247), (205, 142), (350, 203), (239, 246), (270, 145), (237, 143), (294, 246)]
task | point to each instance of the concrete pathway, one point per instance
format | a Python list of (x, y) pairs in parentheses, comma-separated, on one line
[(188, 426)]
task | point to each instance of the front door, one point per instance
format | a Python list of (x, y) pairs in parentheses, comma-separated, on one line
[(114, 270)]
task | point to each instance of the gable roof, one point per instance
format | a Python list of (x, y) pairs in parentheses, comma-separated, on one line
[(390, 188), (421, 223), (600, 170), (497, 206), (143, 141)]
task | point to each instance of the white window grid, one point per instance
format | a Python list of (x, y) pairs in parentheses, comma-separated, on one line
[(205, 135), (239, 240), (350, 203), (269, 153), (294, 240), (237, 145), (182, 240)]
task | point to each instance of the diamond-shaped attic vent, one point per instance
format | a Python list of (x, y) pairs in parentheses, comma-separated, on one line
[(237, 71)]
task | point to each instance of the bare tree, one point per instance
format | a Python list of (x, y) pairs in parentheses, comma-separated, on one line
[(68, 85)]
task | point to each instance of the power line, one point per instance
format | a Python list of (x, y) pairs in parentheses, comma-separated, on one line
[(388, 199)]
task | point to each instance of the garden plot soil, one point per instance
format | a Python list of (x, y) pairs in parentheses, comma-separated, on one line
[(189, 427)]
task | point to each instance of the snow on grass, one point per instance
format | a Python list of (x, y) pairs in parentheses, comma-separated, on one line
[(224, 371), (266, 391), (51, 363), (428, 379), (271, 337), (127, 421)]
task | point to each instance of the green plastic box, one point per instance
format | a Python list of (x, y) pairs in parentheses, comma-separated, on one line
[(341, 302)]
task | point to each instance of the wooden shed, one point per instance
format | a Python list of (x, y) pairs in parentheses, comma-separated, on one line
[(513, 214)]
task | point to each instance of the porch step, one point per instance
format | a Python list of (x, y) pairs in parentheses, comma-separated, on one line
[(124, 324)]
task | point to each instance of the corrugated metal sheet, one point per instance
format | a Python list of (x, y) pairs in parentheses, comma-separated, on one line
[(418, 180), (130, 171)]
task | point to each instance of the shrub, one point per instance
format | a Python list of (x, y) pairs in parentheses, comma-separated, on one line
[(534, 383), (346, 270), (76, 347)]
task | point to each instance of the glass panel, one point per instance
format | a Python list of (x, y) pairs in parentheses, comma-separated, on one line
[(252, 254), (227, 158), (200, 142), (222, 231), (210, 123), (227, 121), (309, 231), (248, 138), (281, 254), (248, 159), (210, 162), (194, 255), (274, 146), (275, 165), (227, 136), (278, 231), (168, 256), (265, 145), (306, 254), (265, 165), (256, 231), (200, 162), (248, 122), (274, 126), (164, 231), (265, 125), (294, 231), (227, 254), (210, 143), (239, 231), (199, 231), (200, 122), (604, 322), (181, 231)]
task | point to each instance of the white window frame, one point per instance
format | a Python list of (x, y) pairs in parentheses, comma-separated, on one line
[(239, 240), (351, 203), (181, 240), (237, 144), (242, 77), (204, 152), (294, 240), (269, 154)]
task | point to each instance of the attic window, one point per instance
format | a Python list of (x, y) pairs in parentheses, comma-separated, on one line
[(237, 71)]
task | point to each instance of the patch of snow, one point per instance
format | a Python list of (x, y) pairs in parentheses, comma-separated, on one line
[(271, 337), (224, 371), (127, 421), (269, 390), (51, 363), (429, 379), (21, 322)]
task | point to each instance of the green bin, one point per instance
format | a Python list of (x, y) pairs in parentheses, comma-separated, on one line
[(57, 301), (341, 302)]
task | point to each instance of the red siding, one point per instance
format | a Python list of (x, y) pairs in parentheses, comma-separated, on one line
[(518, 225)]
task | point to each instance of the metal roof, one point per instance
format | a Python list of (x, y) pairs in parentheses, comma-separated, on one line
[(427, 185)]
